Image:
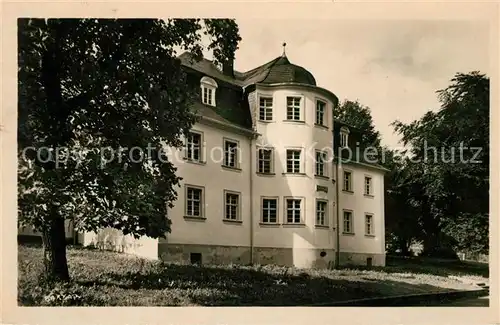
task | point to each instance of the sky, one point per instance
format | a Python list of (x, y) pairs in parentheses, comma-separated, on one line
[(393, 67)]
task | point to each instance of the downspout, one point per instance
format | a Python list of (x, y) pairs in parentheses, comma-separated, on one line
[(337, 205), (251, 197)]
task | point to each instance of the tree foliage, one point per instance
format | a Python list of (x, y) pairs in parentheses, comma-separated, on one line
[(359, 116), (99, 100), (449, 150)]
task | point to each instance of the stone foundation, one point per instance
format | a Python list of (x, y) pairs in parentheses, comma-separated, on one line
[(212, 254), (347, 259)]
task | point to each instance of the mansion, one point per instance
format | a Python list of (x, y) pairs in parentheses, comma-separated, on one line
[(261, 182)]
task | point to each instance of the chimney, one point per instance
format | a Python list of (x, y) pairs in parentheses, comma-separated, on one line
[(227, 68)]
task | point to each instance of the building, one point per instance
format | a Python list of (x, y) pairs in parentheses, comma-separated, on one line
[(260, 181)]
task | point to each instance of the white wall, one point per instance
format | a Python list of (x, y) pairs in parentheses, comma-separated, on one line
[(282, 134), (215, 179), (361, 204)]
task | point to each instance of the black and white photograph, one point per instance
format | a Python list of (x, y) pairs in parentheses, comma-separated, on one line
[(249, 161)]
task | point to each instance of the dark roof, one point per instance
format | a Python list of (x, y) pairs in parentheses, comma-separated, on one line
[(275, 71)]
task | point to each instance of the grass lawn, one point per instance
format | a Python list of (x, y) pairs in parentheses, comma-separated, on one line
[(103, 278)]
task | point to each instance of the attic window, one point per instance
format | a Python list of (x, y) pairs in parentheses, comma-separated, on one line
[(344, 134), (208, 87)]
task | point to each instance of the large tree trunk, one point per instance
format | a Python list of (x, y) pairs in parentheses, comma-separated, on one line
[(54, 250)]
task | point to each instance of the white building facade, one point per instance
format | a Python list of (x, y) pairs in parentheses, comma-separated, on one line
[(259, 179)]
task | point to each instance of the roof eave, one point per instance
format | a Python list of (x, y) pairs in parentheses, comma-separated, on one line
[(226, 126), (326, 92)]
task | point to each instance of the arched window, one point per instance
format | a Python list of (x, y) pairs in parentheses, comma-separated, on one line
[(208, 87), (344, 134)]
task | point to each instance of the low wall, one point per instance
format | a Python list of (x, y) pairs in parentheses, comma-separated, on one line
[(114, 240)]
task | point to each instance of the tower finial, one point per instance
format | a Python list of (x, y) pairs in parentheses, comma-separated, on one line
[(284, 45)]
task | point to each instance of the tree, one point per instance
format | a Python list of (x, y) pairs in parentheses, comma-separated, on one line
[(99, 100), (450, 150), (359, 116)]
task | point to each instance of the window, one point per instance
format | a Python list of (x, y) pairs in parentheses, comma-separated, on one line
[(293, 210), (266, 109), (320, 112), (230, 153), (232, 203), (208, 87), (193, 146), (194, 201), (195, 258), (321, 163), (344, 133), (293, 108), (368, 224), (348, 229), (293, 160), (347, 185), (265, 160), (368, 185), (269, 210), (321, 213)]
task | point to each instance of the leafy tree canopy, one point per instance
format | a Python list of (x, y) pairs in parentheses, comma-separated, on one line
[(88, 87)]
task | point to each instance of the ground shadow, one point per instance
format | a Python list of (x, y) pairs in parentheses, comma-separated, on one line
[(244, 286)]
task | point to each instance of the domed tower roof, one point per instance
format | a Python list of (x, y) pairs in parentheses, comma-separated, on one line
[(277, 71), (284, 71)]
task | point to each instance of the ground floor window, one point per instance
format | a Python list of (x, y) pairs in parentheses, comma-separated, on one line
[(293, 210)]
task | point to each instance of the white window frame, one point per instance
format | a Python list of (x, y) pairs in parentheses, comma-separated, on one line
[(189, 147), (321, 163), (294, 161), (294, 209), (237, 205), (322, 215), (371, 231), (260, 160), (368, 185), (265, 111), (344, 137), (231, 160), (209, 86), (264, 209), (350, 222), (322, 113), (348, 181), (295, 107), (201, 201)]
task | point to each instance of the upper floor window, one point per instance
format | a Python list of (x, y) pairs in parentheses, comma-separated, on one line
[(208, 87), (293, 105), (368, 185), (193, 146), (321, 159), (293, 160), (344, 134), (347, 185), (266, 108), (320, 112), (231, 158), (265, 160)]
